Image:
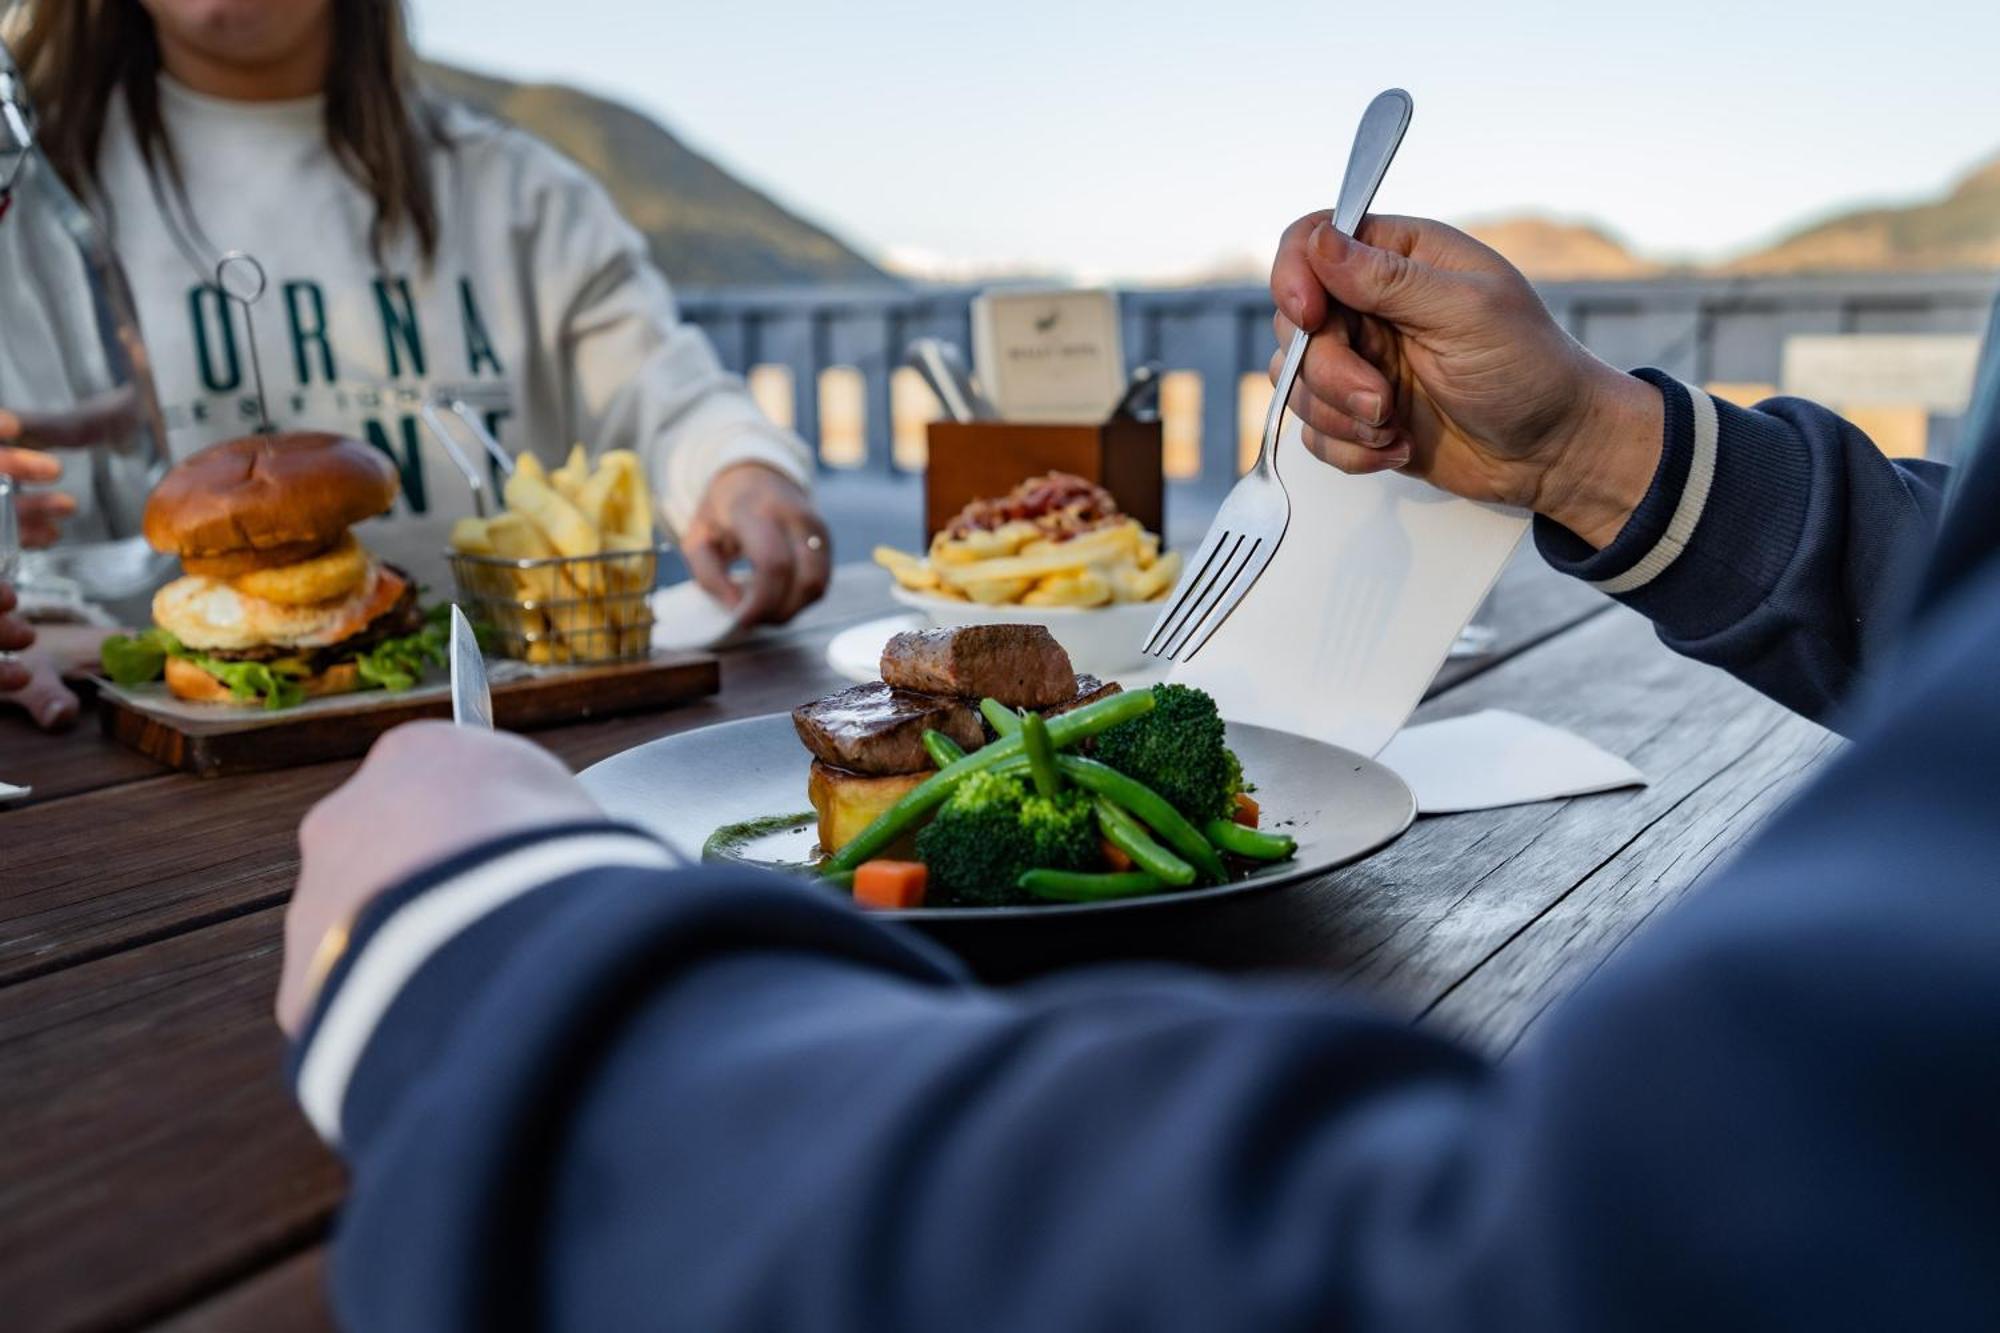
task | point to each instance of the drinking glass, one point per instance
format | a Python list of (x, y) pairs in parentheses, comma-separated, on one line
[(71, 355), (10, 537)]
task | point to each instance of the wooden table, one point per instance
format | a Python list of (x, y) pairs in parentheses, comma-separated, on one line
[(155, 1173)]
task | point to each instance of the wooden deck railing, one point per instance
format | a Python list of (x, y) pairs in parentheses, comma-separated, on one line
[(817, 354)]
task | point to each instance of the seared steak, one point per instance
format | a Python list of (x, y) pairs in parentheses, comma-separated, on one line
[(879, 729), (1020, 665), (1089, 689)]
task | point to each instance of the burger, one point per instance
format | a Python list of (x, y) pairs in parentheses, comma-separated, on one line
[(279, 601)]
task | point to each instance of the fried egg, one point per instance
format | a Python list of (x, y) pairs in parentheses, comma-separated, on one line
[(206, 613)]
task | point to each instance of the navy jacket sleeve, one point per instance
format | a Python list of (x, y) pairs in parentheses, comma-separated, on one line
[(1776, 542), (582, 1091)]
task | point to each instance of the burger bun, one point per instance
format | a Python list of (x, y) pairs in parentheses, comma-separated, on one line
[(288, 495), (190, 682)]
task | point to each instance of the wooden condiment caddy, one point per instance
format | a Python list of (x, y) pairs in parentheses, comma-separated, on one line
[(977, 460)]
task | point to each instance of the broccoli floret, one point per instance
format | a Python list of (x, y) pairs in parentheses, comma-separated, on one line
[(1177, 749), (994, 828), (1062, 831)]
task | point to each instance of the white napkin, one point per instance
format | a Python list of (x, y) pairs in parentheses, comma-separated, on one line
[(1494, 758), (9, 792), (687, 619), (1375, 577)]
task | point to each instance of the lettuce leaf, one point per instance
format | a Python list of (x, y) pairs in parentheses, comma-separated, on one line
[(393, 664), (276, 683), (398, 664), (135, 659)]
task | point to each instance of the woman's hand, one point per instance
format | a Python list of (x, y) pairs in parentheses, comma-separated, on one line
[(759, 514), (34, 682), (1434, 355), (426, 791), (41, 512)]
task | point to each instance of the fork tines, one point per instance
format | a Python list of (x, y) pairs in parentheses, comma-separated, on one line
[(1228, 563)]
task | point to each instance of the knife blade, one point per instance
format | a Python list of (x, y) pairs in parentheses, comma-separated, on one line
[(471, 699)]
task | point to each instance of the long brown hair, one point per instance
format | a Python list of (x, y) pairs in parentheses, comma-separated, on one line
[(77, 54)]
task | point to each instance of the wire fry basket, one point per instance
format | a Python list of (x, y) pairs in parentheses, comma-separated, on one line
[(561, 609)]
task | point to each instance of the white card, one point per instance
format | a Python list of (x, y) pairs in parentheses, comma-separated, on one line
[(1494, 758), (1049, 355), (1374, 579)]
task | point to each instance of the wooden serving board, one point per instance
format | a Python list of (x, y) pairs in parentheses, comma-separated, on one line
[(251, 740)]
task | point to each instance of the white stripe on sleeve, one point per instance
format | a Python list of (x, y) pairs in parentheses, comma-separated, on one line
[(1687, 513), (403, 943)]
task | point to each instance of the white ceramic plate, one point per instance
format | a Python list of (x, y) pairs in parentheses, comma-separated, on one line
[(1339, 805), (1101, 640)]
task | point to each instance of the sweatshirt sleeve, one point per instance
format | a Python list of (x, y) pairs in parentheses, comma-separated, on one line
[(581, 1090), (631, 373), (1776, 542)]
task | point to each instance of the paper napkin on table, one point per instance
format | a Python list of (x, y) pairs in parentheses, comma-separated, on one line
[(1494, 758), (9, 792), (1374, 579), (686, 618)]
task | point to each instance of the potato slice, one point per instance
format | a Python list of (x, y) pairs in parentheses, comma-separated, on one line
[(976, 546), (1084, 587), (998, 592), (569, 479), (1157, 579), (849, 802), (469, 536), (562, 524), (911, 571)]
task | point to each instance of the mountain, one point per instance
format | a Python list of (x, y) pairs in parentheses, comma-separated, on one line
[(1552, 251), (1961, 230), (706, 228)]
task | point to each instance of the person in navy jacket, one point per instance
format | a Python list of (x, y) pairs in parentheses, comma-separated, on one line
[(583, 1087)]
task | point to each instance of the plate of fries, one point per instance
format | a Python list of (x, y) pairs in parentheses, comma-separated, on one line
[(1098, 591), (565, 573)]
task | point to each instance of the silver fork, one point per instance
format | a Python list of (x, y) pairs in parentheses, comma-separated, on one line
[(1253, 518)]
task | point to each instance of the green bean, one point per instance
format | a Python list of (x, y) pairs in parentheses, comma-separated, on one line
[(1128, 836), (1004, 720), (841, 879), (1237, 840), (1075, 886), (941, 748), (1151, 808), (932, 792), (1041, 755)]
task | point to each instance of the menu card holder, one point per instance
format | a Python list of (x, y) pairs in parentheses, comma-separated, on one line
[(976, 460)]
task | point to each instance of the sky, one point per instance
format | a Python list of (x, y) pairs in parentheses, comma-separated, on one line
[(1107, 140)]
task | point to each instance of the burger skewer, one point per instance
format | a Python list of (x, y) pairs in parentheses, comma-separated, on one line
[(255, 294)]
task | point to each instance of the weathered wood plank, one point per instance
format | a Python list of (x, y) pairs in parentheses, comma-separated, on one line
[(1551, 956), (79, 760), (206, 850), (152, 1150), (289, 1297)]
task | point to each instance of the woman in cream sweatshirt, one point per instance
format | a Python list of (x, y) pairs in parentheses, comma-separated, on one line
[(412, 247)]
